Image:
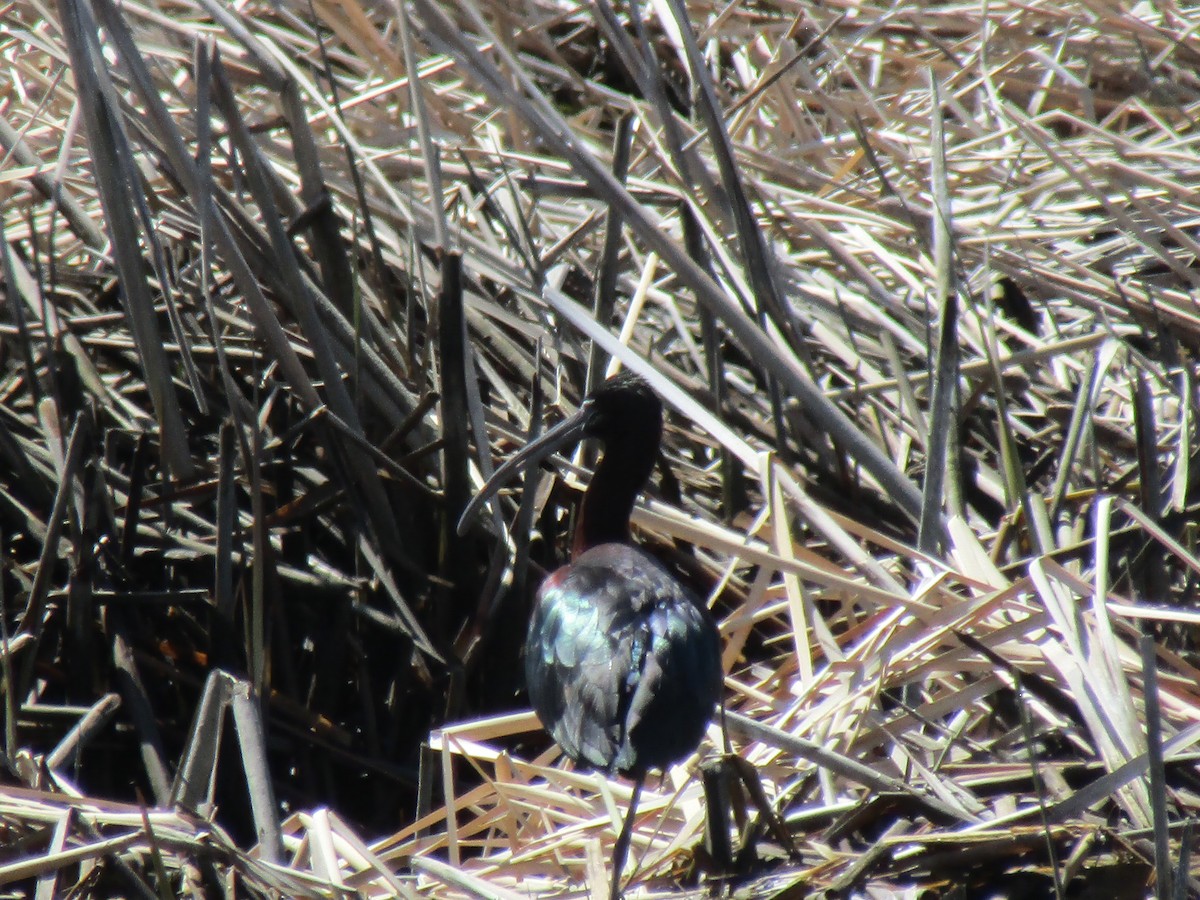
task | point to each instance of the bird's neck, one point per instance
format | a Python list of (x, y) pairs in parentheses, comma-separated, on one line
[(608, 502)]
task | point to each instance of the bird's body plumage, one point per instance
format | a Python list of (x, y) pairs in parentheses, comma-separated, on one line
[(623, 665)]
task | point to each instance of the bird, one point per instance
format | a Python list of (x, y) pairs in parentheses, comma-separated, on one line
[(622, 661)]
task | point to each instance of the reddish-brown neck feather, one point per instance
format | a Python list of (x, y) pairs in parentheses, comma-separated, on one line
[(608, 503)]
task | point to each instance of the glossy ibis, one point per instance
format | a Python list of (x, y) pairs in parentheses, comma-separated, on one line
[(622, 662)]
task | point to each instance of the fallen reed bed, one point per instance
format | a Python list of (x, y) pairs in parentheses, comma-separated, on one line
[(283, 282)]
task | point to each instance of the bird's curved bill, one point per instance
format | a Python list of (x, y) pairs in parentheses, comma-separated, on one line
[(568, 432)]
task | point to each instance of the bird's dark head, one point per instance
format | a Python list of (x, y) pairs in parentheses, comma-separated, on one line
[(621, 409), (623, 413)]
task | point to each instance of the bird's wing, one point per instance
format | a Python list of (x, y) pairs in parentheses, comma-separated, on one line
[(616, 643), (576, 664), (675, 676)]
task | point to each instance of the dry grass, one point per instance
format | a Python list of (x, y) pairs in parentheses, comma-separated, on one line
[(853, 246)]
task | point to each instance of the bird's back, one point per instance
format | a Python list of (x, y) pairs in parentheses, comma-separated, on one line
[(623, 667)]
